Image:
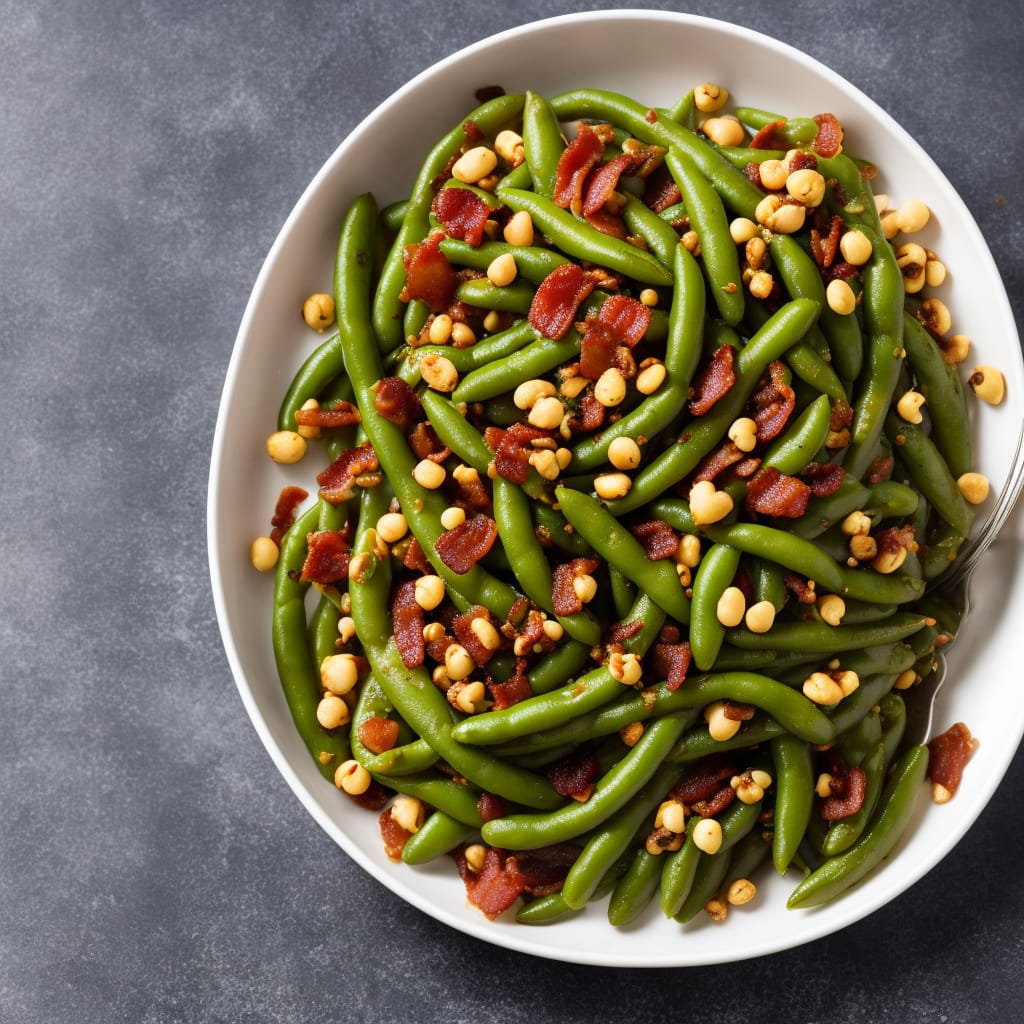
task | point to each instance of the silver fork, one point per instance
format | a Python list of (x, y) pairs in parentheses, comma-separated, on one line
[(954, 587)]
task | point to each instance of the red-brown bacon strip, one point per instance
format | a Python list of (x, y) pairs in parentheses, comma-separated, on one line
[(337, 480), (846, 792), (771, 136), (724, 456), (378, 734), (429, 276), (705, 778), (773, 403), (505, 876), (338, 414), (327, 557), (462, 213), (462, 627), (660, 190), (287, 504), (574, 775), (949, 753), (713, 380), (462, 547), (397, 402), (829, 140), (512, 449), (578, 159), (823, 478), (657, 538), (772, 493), (557, 299), (670, 662), (618, 325), (563, 597), (407, 619)]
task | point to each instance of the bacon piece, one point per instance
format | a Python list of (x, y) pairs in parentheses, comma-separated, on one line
[(557, 298), (801, 160), (462, 547), (604, 180), (660, 190), (670, 662), (772, 493), (471, 493), (415, 558), (429, 276), (578, 159), (505, 876), (703, 780), (563, 597), (737, 712), (747, 467), (462, 627), (407, 619), (797, 585), (287, 505), (599, 348), (829, 140), (491, 806), (338, 414), (506, 692), (716, 803), (574, 775), (425, 443), (619, 632), (378, 734), (773, 403), (713, 381), (823, 478), (753, 172), (373, 799), (589, 414), (657, 538), (715, 462), (462, 213), (337, 480), (880, 469), (825, 241), (627, 318), (394, 835), (397, 402), (949, 753), (513, 448), (846, 793), (771, 136), (608, 223), (327, 557), (841, 415)]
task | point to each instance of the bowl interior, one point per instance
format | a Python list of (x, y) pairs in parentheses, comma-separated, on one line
[(654, 57)]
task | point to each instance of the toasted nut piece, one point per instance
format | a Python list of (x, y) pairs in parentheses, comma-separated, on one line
[(856, 524), (988, 384), (974, 487), (935, 316), (527, 394), (439, 373), (909, 406), (689, 550), (821, 688), (806, 185), (286, 446), (318, 311), (912, 216), (433, 631), (823, 785), (743, 229), (832, 608), (762, 778), (760, 617), (457, 662), (840, 297), (708, 505), (671, 815), (625, 667), (502, 270), (392, 527), (475, 854), (585, 588), (519, 230), (309, 433), (720, 726), (346, 629), (855, 247), (509, 146), (546, 413), (610, 486), (332, 712), (780, 216), (474, 164), (773, 174), (890, 224), (889, 561), (352, 778), (546, 463), (624, 453), (263, 553), (468, 697), (407, 811), (743, 434), (429, 592), (707, 835), (428, 474), (863, 547), (553, 630), (731, 607), (761, 284), (630, 734), (848, 681), (650, 378), (440, 330), (610, 388), (453, 516), (740, 892), (462, 335), (339, 673), (723, 131), (934, 273), (708, 97)]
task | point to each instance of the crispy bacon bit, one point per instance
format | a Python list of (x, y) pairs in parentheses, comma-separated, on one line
[(949, 753), (578, 159), (880, 469), (771, 136), (563, 597), (407, 618), (620, 632), (660, 190), (829, 140), (373, 799), (772, 493), (429, 276), (338, 414), (327, 557), (589, 414), (752, 170), (462, 213), (394, 835), (823, 478), (797, 585), (462, 547), (713, 381), (716, 803), (288, 502), (841, 271), (491, 806), (737, 712), (471, 494), (397, 402), (773, 403), (425, 443), (599, 348), (557, 298), (512, 450), (715, 462), (846, 792), (337, 480), (378, 734), (462, 627), (505, 876), (670, 662), (747, 467), (574, 775), (801, 160), (415, 558), (657, 538), (704, 779), (825, 241), (604, 180), (506, 692), (841, 415), (628, 319)]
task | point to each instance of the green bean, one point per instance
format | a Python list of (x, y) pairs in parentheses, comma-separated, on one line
[(661, 238), (457, 799), (439, 834), (896, 805), (817, 636), (611, 792), (516, 297), (635, 889), (794, 796), (542, 142), (715, 573), (842, 834), (533, 263), (320, 368), (699, 742), (678, 870)]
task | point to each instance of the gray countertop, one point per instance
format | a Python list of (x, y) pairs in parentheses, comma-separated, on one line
[(151, 870)]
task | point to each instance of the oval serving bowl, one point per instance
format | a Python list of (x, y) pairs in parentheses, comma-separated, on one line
[(654, 57)]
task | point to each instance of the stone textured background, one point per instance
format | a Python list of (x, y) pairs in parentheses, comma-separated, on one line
[(149, 153)]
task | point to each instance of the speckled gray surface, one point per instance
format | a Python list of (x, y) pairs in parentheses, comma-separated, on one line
[(149, 870)]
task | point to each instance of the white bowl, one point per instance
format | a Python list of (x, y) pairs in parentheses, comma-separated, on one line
[(654, 57)]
